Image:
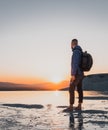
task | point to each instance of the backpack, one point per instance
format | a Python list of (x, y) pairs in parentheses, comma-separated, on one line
[(86, 61)]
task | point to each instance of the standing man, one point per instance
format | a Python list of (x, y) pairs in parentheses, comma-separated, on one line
[(76, 75)]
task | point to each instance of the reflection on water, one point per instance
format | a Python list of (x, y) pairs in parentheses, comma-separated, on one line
[(35, 97), (76, 124), (38, 97)]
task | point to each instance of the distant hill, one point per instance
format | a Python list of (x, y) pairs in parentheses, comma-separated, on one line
[(64, 89), (6, 86), (95, 82)]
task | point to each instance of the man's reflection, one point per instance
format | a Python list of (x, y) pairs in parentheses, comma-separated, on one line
[(76, 124)]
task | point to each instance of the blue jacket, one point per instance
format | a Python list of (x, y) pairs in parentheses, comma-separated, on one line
[(76, 61)]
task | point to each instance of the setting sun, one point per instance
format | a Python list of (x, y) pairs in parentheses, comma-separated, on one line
[(56, 79)]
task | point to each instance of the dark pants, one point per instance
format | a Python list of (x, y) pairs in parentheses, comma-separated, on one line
[(76, 83)]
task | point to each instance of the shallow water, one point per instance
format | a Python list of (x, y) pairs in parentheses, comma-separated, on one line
[(45, 110)]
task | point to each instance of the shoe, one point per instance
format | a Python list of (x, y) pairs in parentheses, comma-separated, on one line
[(78, 107), (70, 108)]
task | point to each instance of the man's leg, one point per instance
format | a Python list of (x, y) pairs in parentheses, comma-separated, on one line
[(72, 93), (80, 92), (73, 84)]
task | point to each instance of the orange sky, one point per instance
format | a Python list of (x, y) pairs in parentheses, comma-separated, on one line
[(36, 80)]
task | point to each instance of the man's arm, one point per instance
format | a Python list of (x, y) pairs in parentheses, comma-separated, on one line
[(75, 64)]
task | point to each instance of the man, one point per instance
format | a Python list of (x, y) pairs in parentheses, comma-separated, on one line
[(76, 75)]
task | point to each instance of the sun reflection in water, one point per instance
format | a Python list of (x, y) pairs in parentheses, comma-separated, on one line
[(56, 93)]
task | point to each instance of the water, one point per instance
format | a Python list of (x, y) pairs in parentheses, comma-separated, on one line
[(44, 110), (35, 97)]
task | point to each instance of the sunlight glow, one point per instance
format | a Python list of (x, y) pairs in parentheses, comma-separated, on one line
[(56, 79), (56, 93)]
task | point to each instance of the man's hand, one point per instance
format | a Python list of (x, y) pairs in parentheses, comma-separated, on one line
[(72, 78)]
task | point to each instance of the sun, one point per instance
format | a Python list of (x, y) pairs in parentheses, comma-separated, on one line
[(56, 79)]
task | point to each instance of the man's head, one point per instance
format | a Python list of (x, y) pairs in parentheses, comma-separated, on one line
[(74, 43)]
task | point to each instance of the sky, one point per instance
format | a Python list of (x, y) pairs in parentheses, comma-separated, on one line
[(35, 37)]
